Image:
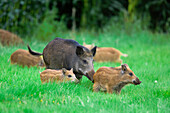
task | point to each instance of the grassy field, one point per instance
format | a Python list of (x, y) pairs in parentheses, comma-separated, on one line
[(149, 57)]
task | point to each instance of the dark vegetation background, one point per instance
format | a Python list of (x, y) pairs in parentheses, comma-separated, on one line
[(27, 17)]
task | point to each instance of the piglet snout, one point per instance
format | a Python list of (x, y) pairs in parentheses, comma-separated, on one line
[(137, 81), (76, 81)]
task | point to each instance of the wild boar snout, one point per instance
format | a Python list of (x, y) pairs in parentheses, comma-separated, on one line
[(90, 74), (136, 81)]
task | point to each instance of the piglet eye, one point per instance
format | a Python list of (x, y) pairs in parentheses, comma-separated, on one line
[(69, 76), (130, 74), (84, 61)]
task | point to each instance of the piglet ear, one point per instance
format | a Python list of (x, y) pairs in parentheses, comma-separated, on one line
[(71, 69), (64, 71), (124, 68), (79, 50), (93, 45), (94, 50), (84, 43)]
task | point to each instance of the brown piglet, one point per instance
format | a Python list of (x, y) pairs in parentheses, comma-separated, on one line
[(24, 58), (114, 79), (7, 38), (61, 75), (106, 54)]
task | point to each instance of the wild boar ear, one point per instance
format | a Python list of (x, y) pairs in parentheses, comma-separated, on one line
[(64, 71), (94, 50), (79, 51), (124, 68), (71, 69)]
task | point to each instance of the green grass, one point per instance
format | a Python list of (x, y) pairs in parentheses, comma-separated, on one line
[(21, 89)]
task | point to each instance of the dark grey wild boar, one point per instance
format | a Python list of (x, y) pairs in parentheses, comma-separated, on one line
[(67, 53)]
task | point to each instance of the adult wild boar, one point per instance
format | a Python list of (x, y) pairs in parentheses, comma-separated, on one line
[(67, 53)]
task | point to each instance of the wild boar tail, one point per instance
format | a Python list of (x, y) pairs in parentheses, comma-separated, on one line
[(33, 52)]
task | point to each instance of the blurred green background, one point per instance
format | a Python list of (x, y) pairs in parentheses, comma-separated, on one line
[(30, 17)]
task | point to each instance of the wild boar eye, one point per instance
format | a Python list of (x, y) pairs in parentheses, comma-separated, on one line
[(84, 61), (130, 74), (69, 76)]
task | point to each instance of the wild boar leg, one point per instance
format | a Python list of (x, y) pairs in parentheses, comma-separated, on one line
[(119, 61), (96, 87), (118, 91), (109, 89)]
